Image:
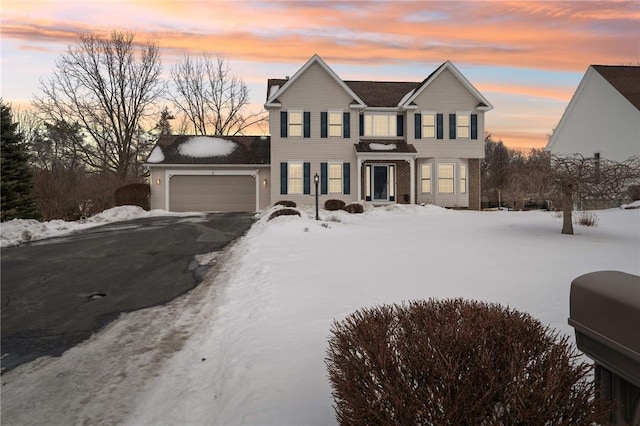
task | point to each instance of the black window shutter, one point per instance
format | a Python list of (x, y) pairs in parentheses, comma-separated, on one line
[(452, 126), (323, 178), (439, 126), (346, 178), (307, 178), (474, 126), (346, 125), (307, 124), (400, 125), (361, 124), (323, 124), (283, 125), (283, 177), (418, 126)]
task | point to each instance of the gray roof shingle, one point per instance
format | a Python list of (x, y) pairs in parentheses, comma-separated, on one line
[(249, 150)]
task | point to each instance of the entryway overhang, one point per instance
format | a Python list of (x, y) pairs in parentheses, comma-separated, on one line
[(387, 151)]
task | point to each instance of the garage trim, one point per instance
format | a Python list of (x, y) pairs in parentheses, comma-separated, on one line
[(168, 174)]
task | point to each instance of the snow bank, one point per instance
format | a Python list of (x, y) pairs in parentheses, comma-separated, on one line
[(205, 146), (156, 156), (16, 231)]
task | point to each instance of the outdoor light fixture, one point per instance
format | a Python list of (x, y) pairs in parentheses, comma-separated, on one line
[(264, 182), (158, 181), (316, 179)]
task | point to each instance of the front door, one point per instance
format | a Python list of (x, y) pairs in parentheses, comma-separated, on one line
[(380, 182)]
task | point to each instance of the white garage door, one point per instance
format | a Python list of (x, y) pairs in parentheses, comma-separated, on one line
[(212, 193)]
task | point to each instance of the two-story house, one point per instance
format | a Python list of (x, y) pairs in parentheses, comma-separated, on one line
[(383, 142)]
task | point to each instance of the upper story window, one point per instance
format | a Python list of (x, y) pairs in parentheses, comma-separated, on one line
[(428, 125), (463, 128), (295, 123), (380, 125), (335, 123)]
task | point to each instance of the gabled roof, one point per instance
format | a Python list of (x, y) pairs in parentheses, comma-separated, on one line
[(483, 103), (273, 94), (376, 94), (248, 150), (625, 79)]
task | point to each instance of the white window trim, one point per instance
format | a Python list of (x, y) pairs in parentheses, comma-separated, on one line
[(289, 164), (294, 111), (340, 114), (458, 115), (329, 179), (429, 178), (435, 124), (453, 179)]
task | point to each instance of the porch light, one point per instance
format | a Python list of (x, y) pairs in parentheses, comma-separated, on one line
[(158, 181), (264, 182), (316, 179)]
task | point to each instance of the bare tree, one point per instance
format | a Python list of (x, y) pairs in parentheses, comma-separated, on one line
[(575, 178), (106, 87), (213, 100)]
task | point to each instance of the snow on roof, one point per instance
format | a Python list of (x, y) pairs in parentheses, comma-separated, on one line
[(382, 146), (156, 156), (206, 146)]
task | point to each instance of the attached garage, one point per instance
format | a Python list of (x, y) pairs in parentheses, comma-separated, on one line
[(217, 193), (210, 174)]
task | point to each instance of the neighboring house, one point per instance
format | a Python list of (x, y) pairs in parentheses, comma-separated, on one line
[(602, 119), (201, 173), (383, 142)]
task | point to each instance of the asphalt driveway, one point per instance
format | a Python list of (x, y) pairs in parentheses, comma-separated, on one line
[(57, 292)]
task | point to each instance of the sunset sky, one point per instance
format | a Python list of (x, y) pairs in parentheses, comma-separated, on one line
[(526, 57)]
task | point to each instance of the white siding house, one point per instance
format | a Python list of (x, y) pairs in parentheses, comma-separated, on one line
[(603, 117)]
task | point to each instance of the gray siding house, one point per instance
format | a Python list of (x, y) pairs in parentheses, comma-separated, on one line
[(383, 142)]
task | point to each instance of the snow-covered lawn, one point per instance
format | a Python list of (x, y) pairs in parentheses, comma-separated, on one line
[(248, 346)]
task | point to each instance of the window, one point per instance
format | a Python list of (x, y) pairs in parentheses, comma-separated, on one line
[(335, 123), (380, 125), (445, 178), (295, 123), (295, 178), (428, 125), (426, 178), (335, 178), (463, 125), (462, 171)]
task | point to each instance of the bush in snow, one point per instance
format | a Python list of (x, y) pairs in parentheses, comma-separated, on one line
[(634, 192), (286, 203), (284, 212), (134, 194), (587, 218), (334, 205), (354, 208), (456, 362)]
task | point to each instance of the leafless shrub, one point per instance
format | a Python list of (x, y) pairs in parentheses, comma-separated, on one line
[(456, 362), (587, 218)]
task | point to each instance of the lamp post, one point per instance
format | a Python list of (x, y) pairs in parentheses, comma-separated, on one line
[(316, 179)]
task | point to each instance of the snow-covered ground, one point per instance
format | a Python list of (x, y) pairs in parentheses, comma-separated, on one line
[(15, 231), (248, 345)]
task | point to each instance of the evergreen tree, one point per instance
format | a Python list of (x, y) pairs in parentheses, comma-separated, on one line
[(16, 181)]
